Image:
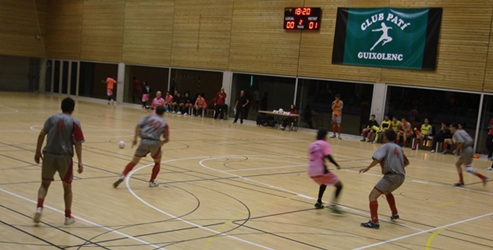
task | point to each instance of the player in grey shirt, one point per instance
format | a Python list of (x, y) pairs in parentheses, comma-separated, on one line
[(393, 161), (150, 129), (64, 132), (465, 147)]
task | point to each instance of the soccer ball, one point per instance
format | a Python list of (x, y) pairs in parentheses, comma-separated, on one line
[(280, 111), (121, 144)]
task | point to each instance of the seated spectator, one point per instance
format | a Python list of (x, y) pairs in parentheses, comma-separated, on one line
[(423, 133), (383, 126), (181, 104), (404, 132), (289, 120), (372, 126), (168, 100), (395, 124), (188, 104), (200, 105), (174, 103), (442, 134)]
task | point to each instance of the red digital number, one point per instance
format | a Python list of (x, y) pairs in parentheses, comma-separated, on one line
[(290, 25), (306, 11), (300, 22), (312, 25), (297, 11)]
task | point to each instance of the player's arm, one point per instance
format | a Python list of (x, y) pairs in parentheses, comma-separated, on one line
[(137, 132), (78, 152), (246, 103), (165, 135), (458, 147), (41, 138), (406, 161), (329, 157), (372, 164)]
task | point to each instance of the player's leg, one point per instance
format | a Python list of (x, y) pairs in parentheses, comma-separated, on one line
[(334, 125), (135, 160), (335, 199), (156, 155), (489, 146), (466, 156), (363, 134), (404, 139), (373, 223), (458, 166), (321, 191), (48, 171), (66, 172), (339, 125)]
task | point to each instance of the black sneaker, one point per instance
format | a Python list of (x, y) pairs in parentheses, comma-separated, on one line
[(371, 224), (319, 205), (394, 217), (459, 184)]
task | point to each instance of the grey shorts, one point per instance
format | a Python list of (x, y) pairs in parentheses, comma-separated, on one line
[(389, 183), (336, 119), (466, 155), (53, 163), (147, 146)]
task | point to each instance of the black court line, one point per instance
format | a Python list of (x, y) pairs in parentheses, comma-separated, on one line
[(30, 234), (44, 223)]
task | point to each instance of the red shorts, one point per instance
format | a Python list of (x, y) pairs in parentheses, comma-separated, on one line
[(328, 179), (145, 97)]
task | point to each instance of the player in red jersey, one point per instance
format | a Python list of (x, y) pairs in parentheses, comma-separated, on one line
[(64, 132), (489, 144), (393, 161), (150, 129), (110, 82)]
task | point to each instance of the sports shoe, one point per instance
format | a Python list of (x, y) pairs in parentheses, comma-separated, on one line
[(340, 138), (185, 114), (370, 224), (373, 142), (444, 152), (413, 148), (178, 113), (489, 169), (333, 136), (69, 220), (153, 184), (362, 139), (456, 155), (37, 215), (368, 140), (394, 217), (433, 151), (335, 210), (490, 158), (319, 205), (459, 184), (117, 182), (485, 180)]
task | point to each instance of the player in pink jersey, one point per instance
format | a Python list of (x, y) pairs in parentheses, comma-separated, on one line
[(168, 101), (317, 170), (110, 82), (200, 104), (150, 129), (157, 101), (63, 132)]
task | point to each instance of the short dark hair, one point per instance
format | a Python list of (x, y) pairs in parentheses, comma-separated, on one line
[(373, 115), (321, 134), (390, 134), (337, 96), (454, 124), (68, 105), (160, 110)]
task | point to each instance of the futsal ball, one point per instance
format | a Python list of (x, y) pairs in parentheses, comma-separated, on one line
[(280, 111), (121, 144)]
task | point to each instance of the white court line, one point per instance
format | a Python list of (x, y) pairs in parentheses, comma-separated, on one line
[(180, 219), (5, 107), (425, 231), (288, 191), (86, 221), (267, 168)]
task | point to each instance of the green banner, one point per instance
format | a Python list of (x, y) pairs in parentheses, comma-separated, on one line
[(395, 38)]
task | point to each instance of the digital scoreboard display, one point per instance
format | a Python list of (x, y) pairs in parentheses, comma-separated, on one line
[(302, 18)]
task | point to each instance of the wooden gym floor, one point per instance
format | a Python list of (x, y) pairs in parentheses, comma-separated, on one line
[(224, 186)]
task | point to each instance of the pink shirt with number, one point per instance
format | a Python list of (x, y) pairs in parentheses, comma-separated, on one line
[(317, 152), (201, 102)]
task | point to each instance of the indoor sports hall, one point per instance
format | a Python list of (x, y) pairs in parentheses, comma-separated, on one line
[(239, 180)]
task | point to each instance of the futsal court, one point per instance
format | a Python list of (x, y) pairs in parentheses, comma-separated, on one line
[(224, 186)]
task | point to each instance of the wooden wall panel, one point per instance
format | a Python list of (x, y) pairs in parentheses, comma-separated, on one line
[(19, 25), (102, 30), (258, 41), (488, 79), (64, 29), (462, 51), (316, 47), (148, 31), (201, 34)]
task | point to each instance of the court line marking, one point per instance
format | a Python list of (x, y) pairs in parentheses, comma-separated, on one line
[(266, 168), (283, 189), (5, 107), (428, 243), (86, 221), (422, 232), (178, 218)]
